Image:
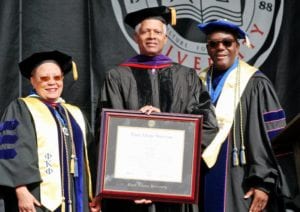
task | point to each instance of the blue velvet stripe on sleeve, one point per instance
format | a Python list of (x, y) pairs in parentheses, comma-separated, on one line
[(8, 139), (274, 122), (8, 125), (274, 115), (6, 152)]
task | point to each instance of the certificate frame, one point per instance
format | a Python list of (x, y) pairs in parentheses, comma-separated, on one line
[(135, 161)]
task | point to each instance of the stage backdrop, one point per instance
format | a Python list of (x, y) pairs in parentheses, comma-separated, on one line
[(92, 31)]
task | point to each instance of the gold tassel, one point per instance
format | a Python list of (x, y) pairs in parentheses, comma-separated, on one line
[(173, 16), (74, 70), (248, 43), (63, 205), (72, 169)]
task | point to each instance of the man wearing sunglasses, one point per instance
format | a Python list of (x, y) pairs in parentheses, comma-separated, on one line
[(240, 171), (47, 169)]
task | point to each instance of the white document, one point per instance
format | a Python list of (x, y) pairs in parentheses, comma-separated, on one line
[(149, 154)]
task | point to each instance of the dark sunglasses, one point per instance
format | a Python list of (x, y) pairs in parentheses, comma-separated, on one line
[(226, 42)]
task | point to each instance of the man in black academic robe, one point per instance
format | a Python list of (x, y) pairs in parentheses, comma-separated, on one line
[(151, 82), (241, 171)]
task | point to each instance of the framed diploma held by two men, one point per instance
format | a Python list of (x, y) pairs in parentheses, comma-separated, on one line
[(155, 157)]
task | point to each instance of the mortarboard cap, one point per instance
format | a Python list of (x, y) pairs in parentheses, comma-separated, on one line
[(165, 14), (215, 25), (63, 60)]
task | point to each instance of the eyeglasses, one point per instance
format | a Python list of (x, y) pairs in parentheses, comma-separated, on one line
[(225, 42), (57, 78)]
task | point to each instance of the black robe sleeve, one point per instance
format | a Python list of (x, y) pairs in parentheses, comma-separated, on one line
[(23, 168), (262, 112), (112, 93)]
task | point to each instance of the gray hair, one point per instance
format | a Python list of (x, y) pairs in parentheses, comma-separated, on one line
[(138, 26)]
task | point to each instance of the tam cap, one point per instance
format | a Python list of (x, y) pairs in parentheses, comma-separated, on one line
[(163, 13), (63, 60), (212, 26)]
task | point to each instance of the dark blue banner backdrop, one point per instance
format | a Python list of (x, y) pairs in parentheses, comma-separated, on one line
[(92, 31)]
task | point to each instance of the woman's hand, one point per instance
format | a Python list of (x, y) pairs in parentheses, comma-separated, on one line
[(26, 201), (95, 204)]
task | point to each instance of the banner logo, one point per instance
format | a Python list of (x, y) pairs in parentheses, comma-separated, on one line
[(261, 19)]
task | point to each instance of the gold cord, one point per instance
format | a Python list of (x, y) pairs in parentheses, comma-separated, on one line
[(70, 163), (73, 168), (235, 158), (238, 156)]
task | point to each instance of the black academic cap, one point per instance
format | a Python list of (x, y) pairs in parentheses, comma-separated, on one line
[(64, 61), (165, 14)]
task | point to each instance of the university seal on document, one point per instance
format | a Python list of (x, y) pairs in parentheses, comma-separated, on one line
[(261, 19)]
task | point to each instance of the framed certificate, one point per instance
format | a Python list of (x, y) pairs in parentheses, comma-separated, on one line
[(155, 156)]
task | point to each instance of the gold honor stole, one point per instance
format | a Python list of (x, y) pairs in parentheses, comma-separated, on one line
[(48, 150), (225, 108)]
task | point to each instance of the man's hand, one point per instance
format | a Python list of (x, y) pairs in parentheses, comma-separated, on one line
[(142, 201), (260, 199), (26, 201), (95, 204), (148, 109)]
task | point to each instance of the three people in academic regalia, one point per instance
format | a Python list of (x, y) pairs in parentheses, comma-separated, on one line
[(45, 164)]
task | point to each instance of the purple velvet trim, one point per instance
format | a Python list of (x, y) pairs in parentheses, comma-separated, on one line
[(148, 61)]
